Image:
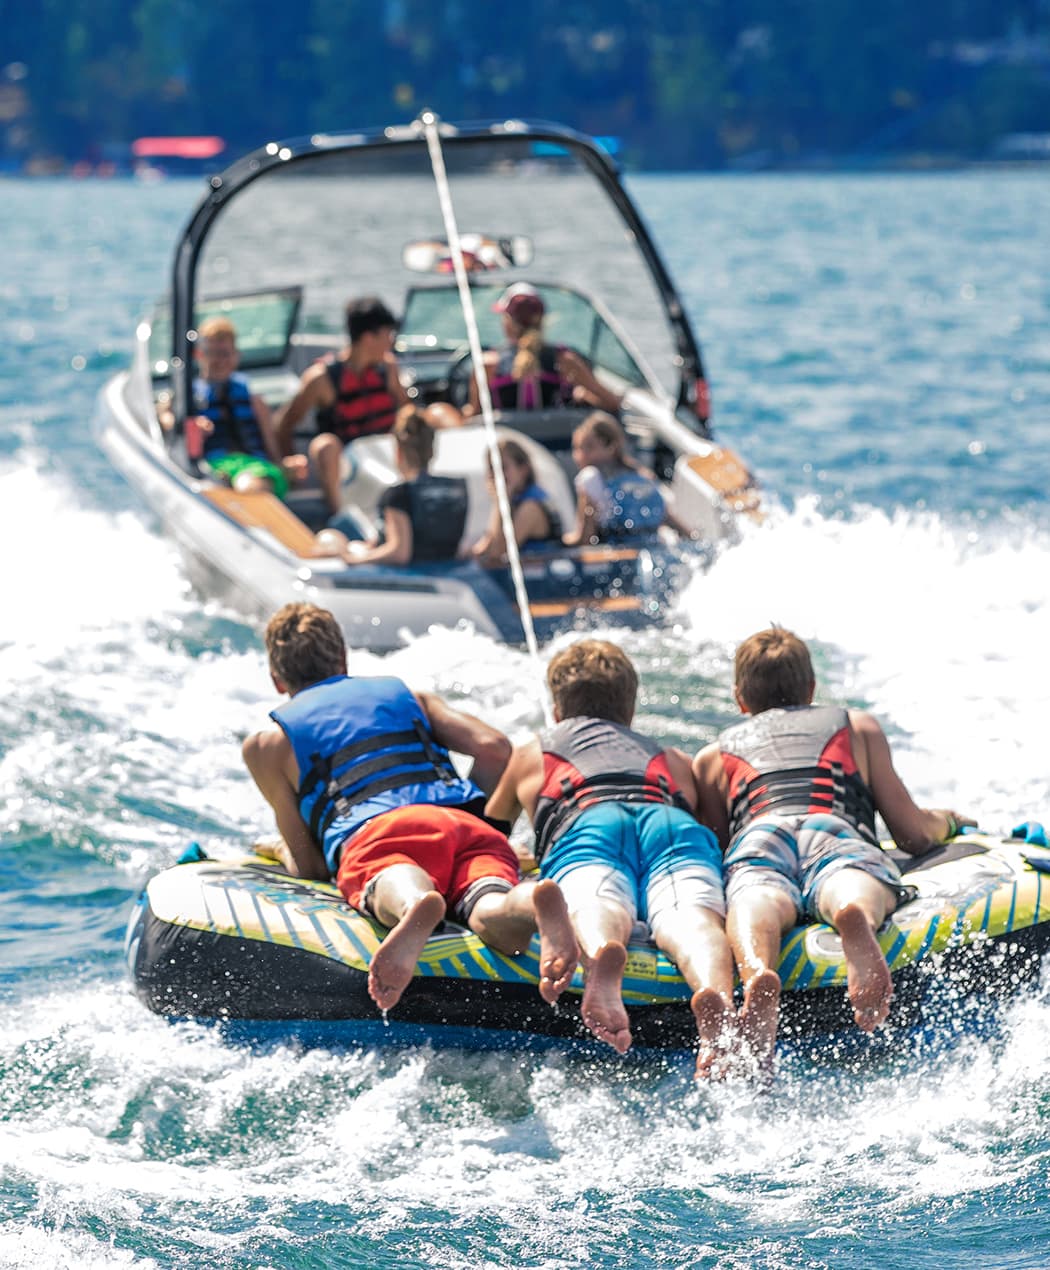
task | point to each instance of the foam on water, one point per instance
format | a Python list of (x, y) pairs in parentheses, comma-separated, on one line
[(164, 1136), (128, 1133)]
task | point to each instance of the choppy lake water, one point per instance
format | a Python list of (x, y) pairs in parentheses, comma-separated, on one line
[(879, 349)]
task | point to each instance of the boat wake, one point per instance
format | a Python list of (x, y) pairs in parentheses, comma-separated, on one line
[(575, 1162)]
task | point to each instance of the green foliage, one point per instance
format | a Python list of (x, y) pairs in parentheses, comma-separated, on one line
[(684, 83)]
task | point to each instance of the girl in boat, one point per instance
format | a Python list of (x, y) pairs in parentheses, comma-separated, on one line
[(535, 517), (423, 516), (615, 496), (530, 374)]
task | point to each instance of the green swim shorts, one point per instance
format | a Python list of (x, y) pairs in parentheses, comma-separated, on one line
[(233, 465)]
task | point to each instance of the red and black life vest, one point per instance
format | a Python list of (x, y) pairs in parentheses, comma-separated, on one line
[(794, 762), (588, 761), (364, 405)]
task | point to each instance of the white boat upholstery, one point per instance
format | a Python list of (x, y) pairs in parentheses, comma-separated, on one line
[(461, 452)]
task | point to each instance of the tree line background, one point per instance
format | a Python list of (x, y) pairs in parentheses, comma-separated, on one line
[(681, 83)]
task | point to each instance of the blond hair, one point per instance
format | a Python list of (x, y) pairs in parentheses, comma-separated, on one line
[(305, 644), (217, 328), (773, 669), (526, 362), (593, 678)]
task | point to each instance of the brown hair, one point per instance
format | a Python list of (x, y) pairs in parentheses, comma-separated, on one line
[(519, 456), (773, 668), (305, 645), (414, 435), (593, 678)]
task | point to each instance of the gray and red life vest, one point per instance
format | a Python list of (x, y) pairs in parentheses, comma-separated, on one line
[(588, 761), (795, 762), (364, 405), (364, 747)]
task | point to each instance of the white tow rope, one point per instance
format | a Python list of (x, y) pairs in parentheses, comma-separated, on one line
[(437, 161)]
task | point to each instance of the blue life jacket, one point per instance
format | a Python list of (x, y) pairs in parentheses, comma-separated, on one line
[(637, 506), (364, 747), (229, 407), (534, 493)]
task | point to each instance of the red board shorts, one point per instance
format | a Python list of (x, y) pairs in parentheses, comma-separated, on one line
[(463, 855)]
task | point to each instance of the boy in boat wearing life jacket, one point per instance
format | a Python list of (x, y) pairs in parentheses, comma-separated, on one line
[(356, 394), (231, 430), (613, 814), (363, 789), (792, 793)]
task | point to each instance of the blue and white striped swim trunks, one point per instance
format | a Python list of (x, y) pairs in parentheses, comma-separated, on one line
[(798, 854)]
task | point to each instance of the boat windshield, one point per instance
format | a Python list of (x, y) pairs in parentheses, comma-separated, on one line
[(335, 223), (264, 320)]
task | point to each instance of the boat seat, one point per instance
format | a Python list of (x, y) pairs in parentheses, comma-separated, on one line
[(461, 452)]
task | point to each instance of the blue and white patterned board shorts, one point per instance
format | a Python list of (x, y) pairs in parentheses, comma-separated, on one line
[(650, 858), (798, 854)]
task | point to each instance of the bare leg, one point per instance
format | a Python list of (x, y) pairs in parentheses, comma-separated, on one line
[(326, 454), (505, 919), (404, 899), (695, 940), (758, 918), (559, 951), (602, 927), (758, 1018), (246, 483), (857, 904), (602, 1005)]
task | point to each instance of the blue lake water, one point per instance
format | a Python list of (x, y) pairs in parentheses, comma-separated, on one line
[(879, 349)]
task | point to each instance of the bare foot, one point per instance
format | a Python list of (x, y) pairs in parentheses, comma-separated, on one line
[(394, 961), (602, 1006), (715, 1023), (868, 981), (759, 1017), (558, 950)]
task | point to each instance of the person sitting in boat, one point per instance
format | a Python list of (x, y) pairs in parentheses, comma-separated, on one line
[(423, 516), (230, 435), (359, 776), (534, 516), (613, 814), (356, 394), (529, 373), (792, 793), (615, 496)]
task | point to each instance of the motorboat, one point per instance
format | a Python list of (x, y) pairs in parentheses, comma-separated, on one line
[(278, 244), (239, 941)]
